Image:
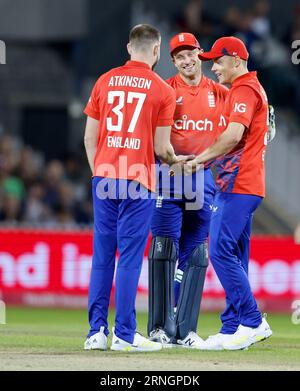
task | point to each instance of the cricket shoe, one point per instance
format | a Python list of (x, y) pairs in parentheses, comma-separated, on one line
[(97, 341), (159, 335), (215, 342), (247, 336), (140, 344), (191, 341)]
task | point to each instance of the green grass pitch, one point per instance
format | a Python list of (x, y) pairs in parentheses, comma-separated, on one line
[(52, 339)]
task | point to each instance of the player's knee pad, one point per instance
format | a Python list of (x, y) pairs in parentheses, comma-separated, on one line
[(162, 259), (191, 290)]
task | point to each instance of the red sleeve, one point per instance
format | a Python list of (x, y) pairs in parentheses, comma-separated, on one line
[(167, 109), (92, 107), (243, 104)]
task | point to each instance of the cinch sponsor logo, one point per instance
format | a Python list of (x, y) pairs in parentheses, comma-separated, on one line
[(189, 124)]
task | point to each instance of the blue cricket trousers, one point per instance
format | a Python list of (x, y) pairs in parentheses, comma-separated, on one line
[(230, 231), (123, 223), (187, 228)]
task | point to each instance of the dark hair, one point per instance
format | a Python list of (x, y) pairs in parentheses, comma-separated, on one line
[(143, 35)]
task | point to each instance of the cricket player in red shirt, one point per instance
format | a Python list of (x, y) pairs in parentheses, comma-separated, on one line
[(241, 182), (130, 113), (179, 232)]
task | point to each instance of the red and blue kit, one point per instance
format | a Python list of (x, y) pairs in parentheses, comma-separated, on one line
[(198, 121), (241, 182), (242, 171), (129, 102)]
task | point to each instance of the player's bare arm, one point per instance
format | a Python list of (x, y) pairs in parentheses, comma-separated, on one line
[(90, 140), (225, 143), (163, 147)]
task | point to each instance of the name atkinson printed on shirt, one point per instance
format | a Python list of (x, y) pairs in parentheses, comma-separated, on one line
[(130, 81)]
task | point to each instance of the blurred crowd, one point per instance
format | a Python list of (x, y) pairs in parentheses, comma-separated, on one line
[(38, 193), (269, 46)]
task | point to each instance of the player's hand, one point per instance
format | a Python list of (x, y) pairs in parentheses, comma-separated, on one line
[(184, 158), (192, 166), (177, 168)]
